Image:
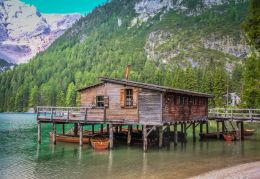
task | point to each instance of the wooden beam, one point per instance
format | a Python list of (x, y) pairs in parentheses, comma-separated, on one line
[(80, 134), (54, 133), (39, 132), (144, 138), (129, 134), (111, 136), (160, 129)]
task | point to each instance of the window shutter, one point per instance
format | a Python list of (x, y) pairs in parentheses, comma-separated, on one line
[(106, 101), (94, 102), (135, 97), (122, 98)]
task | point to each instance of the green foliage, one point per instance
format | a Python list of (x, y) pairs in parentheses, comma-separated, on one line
[(71, 95), (95, 46), (252, 24)]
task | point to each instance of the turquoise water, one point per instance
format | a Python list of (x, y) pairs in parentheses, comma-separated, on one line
[(65, 6), (22, 157)]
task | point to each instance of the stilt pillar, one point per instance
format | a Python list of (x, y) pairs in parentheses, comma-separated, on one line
[(93, 129), (207, 127), (242, 130), (63, 129), (111, 136), (75, 129), (80, 134), (129, 134), (218, 135), (39, 132), (223, 127), (185, 132), (175, 134), (160, 128), (194, 131), (54, 134), (101, 128), (144, 138)]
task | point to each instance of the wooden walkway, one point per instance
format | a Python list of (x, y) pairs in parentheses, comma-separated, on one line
[(234, 114)]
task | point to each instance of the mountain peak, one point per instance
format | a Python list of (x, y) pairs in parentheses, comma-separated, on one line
[(24, 31)]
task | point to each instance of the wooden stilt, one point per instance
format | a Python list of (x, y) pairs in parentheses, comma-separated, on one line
[(223, 127), (218, 135), (93, 128), (207, 127), (54, 134), (116, 129), (129, 134), (175, 134), (160, 128), (242, 130), (111, 136), (101, 128), (137, 127), (120, 128), (80, 134), (201, 127), (185, 132), (39, 132), (63, 129), (75, 129), (144, 138), (194, 131), (107, 127)]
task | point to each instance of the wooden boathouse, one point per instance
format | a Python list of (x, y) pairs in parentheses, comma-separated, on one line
[(115, 103)]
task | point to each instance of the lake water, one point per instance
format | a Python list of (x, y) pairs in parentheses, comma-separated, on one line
[(22, 157)]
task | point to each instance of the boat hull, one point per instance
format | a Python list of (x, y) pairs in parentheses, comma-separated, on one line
[(69, 138)]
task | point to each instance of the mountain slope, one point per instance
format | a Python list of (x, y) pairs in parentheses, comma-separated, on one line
[(24, 31), (195, 45)]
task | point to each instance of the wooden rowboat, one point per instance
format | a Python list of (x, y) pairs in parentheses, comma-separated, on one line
[(249, 132), (100, 142), (229, 137), (69, 138)]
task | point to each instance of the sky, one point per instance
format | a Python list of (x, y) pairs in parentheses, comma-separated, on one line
[(65, 6)]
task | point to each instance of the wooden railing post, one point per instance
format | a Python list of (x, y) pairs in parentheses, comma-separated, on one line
[(68, 114), (250, 114), (86, 113), (51, 113)]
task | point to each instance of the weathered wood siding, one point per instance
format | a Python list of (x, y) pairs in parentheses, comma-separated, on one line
[(176, 110), (150, 107), (115, 111)]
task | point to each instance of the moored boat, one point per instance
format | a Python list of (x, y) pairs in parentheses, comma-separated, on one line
[(249, 132), (100, 142), (229, 137), (69, 138)]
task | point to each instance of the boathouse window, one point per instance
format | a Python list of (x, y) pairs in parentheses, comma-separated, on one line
[(100, 101), (129, 98)]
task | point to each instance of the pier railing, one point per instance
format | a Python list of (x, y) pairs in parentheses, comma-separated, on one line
[(234, 114), (63, 114)]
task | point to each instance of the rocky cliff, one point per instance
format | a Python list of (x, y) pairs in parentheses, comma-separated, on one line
[(24, 31)]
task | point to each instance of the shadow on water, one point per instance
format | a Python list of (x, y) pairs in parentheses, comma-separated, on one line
[(22, 157)]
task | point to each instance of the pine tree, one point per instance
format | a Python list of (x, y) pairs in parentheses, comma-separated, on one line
[(34, 97), (71, 95), (60, 101)]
